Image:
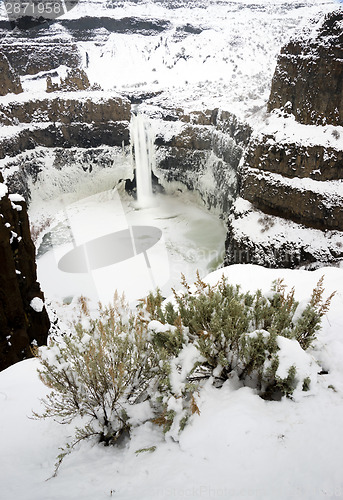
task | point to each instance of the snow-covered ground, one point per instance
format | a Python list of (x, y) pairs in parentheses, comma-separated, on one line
[(285, 130), (239, 447)]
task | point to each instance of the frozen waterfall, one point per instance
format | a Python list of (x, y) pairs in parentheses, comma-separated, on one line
[(143, 146)]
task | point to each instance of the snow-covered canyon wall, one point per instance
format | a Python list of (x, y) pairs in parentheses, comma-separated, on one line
[(61, 120), (202, 150), (274, 174), (290, 206), (308, 78)]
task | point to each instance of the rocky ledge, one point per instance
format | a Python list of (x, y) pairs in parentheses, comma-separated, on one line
[(59, 120)]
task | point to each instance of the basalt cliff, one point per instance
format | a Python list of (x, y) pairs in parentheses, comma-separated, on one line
[(24, 322), (289, 210)]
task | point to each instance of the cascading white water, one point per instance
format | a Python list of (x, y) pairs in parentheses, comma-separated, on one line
[(143, 144)]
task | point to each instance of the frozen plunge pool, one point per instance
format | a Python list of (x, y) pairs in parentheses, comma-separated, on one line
[(104, 243)]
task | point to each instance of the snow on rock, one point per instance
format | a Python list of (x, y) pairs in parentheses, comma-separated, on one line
[(285, 129), (18, 208), (271, 234), (16, 198), (3, 190), (37, 304), (330, 190)]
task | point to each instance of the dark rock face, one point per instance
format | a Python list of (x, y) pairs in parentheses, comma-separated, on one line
[(81, 108), (309, 76), (204, 155), (10, 81), (66, 123), (37, 49), (21, 325), (82, 29)]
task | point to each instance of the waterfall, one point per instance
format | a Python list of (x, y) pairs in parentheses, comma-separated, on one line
[(143, 144)]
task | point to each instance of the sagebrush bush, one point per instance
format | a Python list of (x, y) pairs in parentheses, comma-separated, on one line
[(238, 332), (160, 356), (99, 373)]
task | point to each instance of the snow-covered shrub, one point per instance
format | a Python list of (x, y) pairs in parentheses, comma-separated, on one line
[(242, 333), (291, 321), (175, 393), (123, 368), (105, 373)]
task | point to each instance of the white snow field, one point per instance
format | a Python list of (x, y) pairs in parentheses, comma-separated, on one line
[(211, 53), (239, 447)]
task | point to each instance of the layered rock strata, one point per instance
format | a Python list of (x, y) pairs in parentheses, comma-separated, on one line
[(64, 120), (291, 177)]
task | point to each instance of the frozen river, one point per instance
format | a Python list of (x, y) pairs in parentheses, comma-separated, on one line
[(104, 243)]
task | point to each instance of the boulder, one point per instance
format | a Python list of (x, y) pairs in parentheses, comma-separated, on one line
[(76, 79)]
